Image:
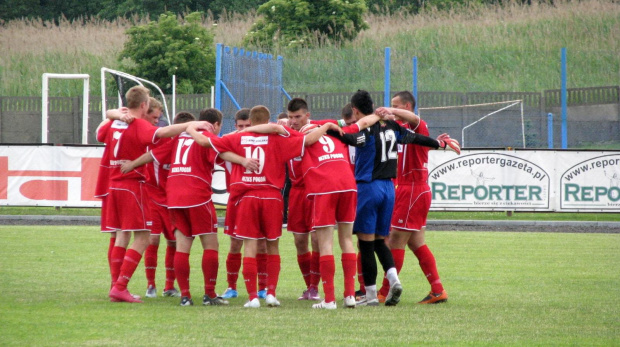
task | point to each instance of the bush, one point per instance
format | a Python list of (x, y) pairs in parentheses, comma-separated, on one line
[(288, 23), (158, 50)]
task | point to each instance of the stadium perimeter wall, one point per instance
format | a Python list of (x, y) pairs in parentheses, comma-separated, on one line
[(477, 180), (593, 116)]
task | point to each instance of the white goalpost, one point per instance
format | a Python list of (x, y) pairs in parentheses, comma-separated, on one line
[(45, 102), (510, 103), (138, 80)]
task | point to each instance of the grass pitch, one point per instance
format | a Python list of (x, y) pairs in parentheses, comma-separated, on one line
[(505, 289)]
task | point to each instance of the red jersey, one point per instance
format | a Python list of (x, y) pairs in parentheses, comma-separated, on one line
[(326, 167), (157, 172), (127, 142), (103, 177), (413, 159), (295, 172), (272, 151), (349, 129), (191, 171)]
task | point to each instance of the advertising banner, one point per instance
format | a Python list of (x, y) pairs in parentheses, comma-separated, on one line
[(591, 184), (49, 175), (476, 180), (62, 176), (490, 180), (525, 180)]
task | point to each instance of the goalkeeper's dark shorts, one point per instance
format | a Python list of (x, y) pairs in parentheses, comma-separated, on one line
[(375, 202)]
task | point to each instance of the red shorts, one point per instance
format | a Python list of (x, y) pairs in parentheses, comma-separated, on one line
[(127, 208), (259, 215), (411, 207), (104, 221), (161, 221), (299, 212), (332, 208), (194, 221), (229, 220)]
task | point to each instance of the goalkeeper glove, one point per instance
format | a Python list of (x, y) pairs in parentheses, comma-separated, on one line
[(448, 144)]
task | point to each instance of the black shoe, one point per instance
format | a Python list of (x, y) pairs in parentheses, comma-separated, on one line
[(359, 295), (218, 300), (185, 301)]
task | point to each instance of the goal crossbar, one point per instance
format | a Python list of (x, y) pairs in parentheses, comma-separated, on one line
[(510, 103), (138, 80)]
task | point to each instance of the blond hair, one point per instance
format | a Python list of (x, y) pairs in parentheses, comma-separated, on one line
[(136, 96), (155, 104), (259, 115)]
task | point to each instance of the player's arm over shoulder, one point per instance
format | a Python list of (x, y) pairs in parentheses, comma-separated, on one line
[(357, 139)]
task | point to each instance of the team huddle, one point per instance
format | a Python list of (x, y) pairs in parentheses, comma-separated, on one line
[(158, 180)]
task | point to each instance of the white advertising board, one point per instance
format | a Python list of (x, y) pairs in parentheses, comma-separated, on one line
[(591, 184), (62, 176), (525, 180), (477, 180)]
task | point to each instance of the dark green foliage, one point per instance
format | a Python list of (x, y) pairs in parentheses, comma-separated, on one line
[(111, 9), (158, 50), (239, 6), (48, 9), (287, 23), (150, 8), (415, 6)]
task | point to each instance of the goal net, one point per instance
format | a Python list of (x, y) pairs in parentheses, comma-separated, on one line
[(116, 83), (493, 124)]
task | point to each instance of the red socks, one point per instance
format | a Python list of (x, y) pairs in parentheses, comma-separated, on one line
[(233, 264), (181, 269), (328, 270), (399, 259), (170, 276), (429, 268), (261, 263), (110, 248), (273, 273), (130, 263), (116, 261), (305, 262), (249, 273), (315, 273), (150, 264), (348, 269), (210, 263)]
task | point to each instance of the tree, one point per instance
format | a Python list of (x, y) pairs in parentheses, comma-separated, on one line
[(408, 6), (238, 6), (166, 47), (297, 22)]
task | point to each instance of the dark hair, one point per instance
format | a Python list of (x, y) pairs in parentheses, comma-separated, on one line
[(346, 112), (211, 115), (362, 101), (406, 97), (283, 115), (242, 114), (297, 104), (183, 117)]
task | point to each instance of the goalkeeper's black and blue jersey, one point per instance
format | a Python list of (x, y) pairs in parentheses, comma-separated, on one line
[(376, 149)]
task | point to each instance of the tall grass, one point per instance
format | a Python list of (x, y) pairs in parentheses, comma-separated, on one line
[(497, 48), (511, 47)]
